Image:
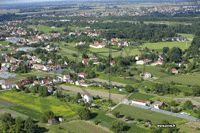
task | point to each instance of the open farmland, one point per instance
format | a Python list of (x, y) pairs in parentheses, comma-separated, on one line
[(155, 117), (33, 104), (77, 127), (187, 79), (159, 45), (141, 96)]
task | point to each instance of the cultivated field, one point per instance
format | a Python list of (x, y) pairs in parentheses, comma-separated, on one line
[(141, 96), (154, 117), (77, 127), (33, 105), (187, 79)]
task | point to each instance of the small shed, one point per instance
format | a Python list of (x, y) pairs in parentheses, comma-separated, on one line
[(52, 121)]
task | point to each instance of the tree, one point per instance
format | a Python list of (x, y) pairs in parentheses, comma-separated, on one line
[(47, 115), (188, 105), (117, 126), (84, 113), (43, 91), (30, 127), (19, 125), (7, 121), (78, 96), (129, 88), (165, 49), (116, 114)]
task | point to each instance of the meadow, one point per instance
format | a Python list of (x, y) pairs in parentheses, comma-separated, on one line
[(33, 105), (188, 36), (154, 117), (140, 96), (115, 79), (106, 122), (45, 29), (186, 79), (159, 45)]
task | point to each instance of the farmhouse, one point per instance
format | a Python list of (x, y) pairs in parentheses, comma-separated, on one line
[(8, 85), (52, 121), (85, 61), (87, 98), (174, 70), (144, 61), (158, 104), (159, 62), (140, 102), (82, 74), (66, 78), (146, 75)]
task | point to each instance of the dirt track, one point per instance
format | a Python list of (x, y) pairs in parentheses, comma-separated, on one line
[(113, 83), (94, 92)]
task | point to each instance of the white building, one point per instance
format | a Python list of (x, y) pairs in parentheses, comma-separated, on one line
[(138, 57), (159, 62), (140, 102), (146, 75), (66, 78), (87, 98), (8, 85), (82, 74)]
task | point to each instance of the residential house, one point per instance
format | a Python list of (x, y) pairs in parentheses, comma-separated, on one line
[(2, 82), (8, 85), (18, 85), (46, 81), (24, 81), (93, 57), (52, 121), (66, 78), (57, 79), (13, 60), (98, 45), (7, 58), (80, 43), (85, 61), (87, 98), (159, 62), (36, 82), (174, 70), (13, 67), (145, 75), (4, 54), (50, 89), (112, 63), (140, 102), (158, 104), (144, 61), (182, 63), (82, 74)]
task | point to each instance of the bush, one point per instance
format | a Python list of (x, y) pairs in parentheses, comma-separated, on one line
[(129, 117), (116, 114), (139, 119), (96, 122)]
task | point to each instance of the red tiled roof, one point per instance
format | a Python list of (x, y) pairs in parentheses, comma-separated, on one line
[(8, 83), (82, 73), (67, 76), (141, 101)]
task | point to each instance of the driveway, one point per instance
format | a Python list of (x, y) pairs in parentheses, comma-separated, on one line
[(94, 92)]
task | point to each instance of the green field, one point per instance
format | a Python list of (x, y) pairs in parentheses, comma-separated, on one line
[(187, 35), (106, 122), (154, 117), (186, 79), (101, 50), (76, 126), (115, 79), (45, 29), (31, 105), (159, 45), (4, 42), (155, 71), (141, 96)]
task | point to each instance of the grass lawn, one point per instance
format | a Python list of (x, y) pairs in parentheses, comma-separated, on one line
[(115, 79), (159, 45), (154, 117), (35, 105), (186, 79), (4, 42), (106, 122), (141, 96), (186, 35), (46, 29)]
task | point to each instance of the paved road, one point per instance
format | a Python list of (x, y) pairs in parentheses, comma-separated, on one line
[(113, 83), (94, 92)]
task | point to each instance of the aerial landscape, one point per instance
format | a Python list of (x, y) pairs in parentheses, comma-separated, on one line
[(106, 66)]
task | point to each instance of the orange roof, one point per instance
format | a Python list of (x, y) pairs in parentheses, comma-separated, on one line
[(141, 101)]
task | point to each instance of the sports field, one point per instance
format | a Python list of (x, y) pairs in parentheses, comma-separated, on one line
[(34, 106), (154, 117)]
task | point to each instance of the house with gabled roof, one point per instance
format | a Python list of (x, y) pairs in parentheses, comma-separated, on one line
[(82, 74), (174, 70), (8, 85), (66, 78), (140, 102), (46, 81)]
